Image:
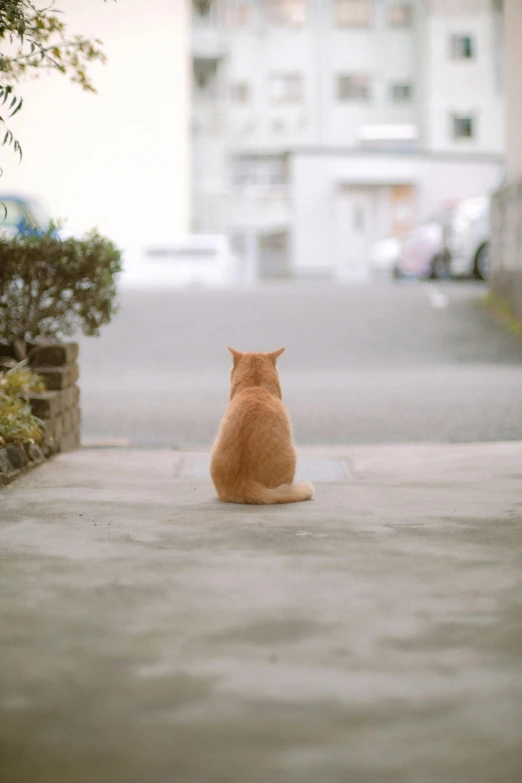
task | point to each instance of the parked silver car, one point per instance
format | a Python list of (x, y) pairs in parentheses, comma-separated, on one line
[(422, 252), (467, 238)]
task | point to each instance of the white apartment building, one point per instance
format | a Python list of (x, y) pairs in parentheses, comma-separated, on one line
[(322, 126)]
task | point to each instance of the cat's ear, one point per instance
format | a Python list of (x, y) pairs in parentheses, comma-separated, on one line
[(236, 355), (276, 354)]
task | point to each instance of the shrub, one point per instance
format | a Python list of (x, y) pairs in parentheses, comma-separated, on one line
[(51, 288), (17, 424), (17, 380)]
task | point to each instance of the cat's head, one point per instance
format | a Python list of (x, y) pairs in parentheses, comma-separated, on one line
[(255, 369)]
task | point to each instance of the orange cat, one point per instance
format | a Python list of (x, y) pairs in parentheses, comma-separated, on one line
[(253, 457)]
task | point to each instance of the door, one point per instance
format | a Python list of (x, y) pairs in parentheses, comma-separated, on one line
[(355, 229), (403, 213)]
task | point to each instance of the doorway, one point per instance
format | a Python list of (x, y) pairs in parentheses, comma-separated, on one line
[(356, 208)]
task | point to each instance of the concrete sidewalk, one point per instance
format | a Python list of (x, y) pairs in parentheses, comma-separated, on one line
[(150, 634)]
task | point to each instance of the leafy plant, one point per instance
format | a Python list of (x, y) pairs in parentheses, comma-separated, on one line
[(18, 380), (51, 288), (17, 423), (37, 40)]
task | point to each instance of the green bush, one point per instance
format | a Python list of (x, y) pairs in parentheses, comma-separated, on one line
[(17, 423), (51, 288)]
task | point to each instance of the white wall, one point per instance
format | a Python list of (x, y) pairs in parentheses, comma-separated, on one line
[(118, 160), (513, 37), (315, 180), (320, 51), (462, 86), (387, 55), (253, 56)]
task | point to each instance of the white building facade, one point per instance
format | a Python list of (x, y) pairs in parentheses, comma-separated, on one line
[(323, 126)]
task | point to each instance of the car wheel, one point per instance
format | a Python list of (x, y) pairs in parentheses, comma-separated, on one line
[(481, 266), (438, 268)]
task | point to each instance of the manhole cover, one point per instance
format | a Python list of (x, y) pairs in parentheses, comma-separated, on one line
[(308, 469)]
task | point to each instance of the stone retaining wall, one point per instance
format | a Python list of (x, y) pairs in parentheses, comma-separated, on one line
[(58, 407)]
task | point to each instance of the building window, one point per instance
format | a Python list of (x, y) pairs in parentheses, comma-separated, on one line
[(286, 88), (353, 88), (287, 13), (463, 127), (462, 47), (353, 13), (205, 78), (240, 92), (401, 92), (269, 171), (400, 16), (236, 14), (202, 7)]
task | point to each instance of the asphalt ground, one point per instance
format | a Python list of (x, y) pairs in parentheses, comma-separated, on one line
[(376, 363)]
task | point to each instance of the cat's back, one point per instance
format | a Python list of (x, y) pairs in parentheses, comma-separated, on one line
[(253, 416), (254, 437), (256, 406)]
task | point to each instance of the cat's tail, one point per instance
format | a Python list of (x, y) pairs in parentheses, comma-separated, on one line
[(256, 494)]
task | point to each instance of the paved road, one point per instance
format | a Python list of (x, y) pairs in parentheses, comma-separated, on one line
[(378, 363)]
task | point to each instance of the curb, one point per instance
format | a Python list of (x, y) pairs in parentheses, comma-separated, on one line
[(16, 459)]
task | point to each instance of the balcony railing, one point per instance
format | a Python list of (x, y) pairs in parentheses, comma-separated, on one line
[(251, 208)]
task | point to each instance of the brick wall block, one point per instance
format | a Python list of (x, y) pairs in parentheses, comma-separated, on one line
[(76, 417), (47, 405), (57, 378), (70, 441), (46, 355), (71, 396), (53, 355)]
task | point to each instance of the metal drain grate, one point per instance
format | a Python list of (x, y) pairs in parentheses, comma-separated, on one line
[(308, 468)]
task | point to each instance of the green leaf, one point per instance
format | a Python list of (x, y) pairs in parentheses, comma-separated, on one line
[(20, 103)]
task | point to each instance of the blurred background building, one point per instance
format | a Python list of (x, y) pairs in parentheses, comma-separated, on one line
[(323, 126)]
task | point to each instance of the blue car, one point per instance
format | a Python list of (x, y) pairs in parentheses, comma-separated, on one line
[(20, 216)]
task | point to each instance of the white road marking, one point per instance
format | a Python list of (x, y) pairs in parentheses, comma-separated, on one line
[(438, 299)]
